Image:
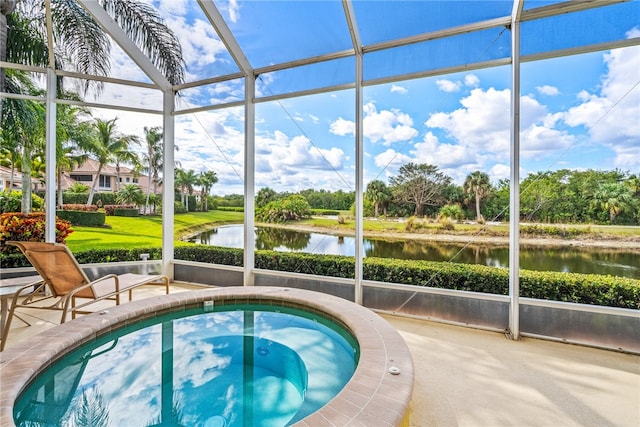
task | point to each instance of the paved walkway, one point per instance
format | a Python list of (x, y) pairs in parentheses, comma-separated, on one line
[(468, 377)]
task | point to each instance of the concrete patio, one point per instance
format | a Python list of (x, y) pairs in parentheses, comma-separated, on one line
[(469, 377)]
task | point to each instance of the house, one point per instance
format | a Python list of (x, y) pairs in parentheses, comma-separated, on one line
[(10, 179), (109, 180)]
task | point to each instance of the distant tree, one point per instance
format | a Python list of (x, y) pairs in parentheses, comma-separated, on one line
[(377, 193), (264, 196), (207, 179), (185, 180), (153, 158), (130, 194), (419, 184), (477, 184), (614, 198), (290, 208), (107, 146)]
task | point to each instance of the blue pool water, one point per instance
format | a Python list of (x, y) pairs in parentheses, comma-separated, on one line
[(225, 366)]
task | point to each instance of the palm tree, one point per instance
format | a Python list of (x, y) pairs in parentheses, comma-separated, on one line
[(477, 184), (153, 158), (81, 44), (22, 128), (107, 147), (207, 179), (73, 139), (130, 194), (124, 155), (184, 181), (614, 198), (378, 194)]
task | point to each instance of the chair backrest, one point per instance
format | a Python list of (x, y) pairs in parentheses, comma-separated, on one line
[(57, 266)]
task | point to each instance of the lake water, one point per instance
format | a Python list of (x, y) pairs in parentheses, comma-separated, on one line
[(625, 263)]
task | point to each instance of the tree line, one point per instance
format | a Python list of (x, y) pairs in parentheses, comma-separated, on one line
[(562, 196)]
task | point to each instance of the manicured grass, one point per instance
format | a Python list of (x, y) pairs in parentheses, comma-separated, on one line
[(144, 231)]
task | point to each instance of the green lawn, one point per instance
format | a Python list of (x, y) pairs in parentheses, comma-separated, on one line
[(144, 231)]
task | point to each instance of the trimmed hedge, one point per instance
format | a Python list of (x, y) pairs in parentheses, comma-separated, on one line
[(126, 212), (592, 289), (84, 218)]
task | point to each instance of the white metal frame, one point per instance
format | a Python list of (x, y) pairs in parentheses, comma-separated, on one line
[(249, 74)]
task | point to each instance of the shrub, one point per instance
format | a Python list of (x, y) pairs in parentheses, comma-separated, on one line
[(569, 287), (413, 224), (109, 209), (453, 212), (179, 207), (230, 208), (12, 202), (291, 208), (130, 212), (78, 207), (87, 218), (29, 228)]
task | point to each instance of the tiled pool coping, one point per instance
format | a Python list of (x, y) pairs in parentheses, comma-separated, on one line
[(373, 396)]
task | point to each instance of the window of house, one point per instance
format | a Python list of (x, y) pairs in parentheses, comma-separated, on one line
[(104, 181), (82, 178)]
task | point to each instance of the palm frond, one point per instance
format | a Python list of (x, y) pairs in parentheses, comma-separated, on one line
[(146, 28)]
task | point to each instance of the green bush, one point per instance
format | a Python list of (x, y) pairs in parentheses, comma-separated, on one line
[(179, 207), (568, 287), (81, 217), (12, 202), (130, 212), (291, 208), (230, 208)]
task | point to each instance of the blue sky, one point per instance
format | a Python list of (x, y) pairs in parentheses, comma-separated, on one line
[(578, 112)]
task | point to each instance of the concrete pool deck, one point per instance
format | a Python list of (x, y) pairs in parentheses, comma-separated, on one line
[(468, 377)]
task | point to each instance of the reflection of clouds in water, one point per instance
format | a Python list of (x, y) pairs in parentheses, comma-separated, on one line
[(207, 374), (129, 377)]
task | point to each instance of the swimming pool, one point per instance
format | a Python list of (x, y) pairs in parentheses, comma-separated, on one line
[(225, 365), (379, 392)]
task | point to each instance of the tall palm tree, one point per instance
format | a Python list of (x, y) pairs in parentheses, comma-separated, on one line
[(107, 145), (22, 128), (207, 179), (73, 139), (124, 155), (185, 181), (378, 194), (153, 157), (477, 184)]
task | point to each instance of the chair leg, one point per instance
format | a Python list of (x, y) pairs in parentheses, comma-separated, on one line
[(7, 325)]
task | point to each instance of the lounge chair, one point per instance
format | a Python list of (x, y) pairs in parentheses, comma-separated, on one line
[(64, 281)]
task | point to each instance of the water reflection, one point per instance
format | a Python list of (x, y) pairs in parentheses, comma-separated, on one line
[(238, 368), (559, 258)]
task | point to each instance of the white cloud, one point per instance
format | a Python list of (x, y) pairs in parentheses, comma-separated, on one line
[(294, 164), (388, 126), (342, 127), (390, 161), (314, 119), (471, 80), (548, 90), (398, 89), (448, 86), (612, 115)]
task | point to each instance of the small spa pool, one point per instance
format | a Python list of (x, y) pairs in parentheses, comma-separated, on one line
[(182, 359), (216, 365)]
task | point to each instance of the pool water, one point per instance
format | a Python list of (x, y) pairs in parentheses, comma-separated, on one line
[(241, 365)]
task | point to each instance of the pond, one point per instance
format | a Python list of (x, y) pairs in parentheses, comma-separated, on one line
[(616, 262)]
